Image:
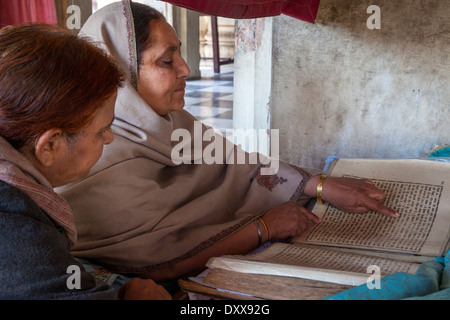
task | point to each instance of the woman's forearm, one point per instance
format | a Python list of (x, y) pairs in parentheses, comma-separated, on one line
[(241, 241)]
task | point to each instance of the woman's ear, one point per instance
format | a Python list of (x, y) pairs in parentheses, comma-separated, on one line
[(48, 145)]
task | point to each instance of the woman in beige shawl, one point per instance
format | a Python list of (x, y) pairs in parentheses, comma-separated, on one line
[(142, 211)]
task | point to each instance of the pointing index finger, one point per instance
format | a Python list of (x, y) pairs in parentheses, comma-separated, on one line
[(379, 207)]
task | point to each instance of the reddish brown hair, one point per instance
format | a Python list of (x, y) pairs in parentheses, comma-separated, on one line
[(50, 78)]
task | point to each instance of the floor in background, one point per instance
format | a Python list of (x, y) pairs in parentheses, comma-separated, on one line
[(210, 99)]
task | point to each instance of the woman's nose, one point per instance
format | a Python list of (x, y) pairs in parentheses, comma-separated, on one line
[(183, 69), (109, 137)]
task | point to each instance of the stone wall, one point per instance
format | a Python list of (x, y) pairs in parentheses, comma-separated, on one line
[(340, 88)]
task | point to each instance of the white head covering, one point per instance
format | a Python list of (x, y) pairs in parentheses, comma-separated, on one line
[(138, 210)]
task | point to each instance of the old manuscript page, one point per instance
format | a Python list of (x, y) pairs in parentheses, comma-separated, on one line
[(271, 287), (418, 189)]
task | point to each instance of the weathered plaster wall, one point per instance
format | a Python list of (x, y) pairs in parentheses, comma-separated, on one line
[(340, 88), (252, 74)]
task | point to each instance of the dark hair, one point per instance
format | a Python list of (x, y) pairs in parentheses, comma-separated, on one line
[(143, 15), (50, 78)]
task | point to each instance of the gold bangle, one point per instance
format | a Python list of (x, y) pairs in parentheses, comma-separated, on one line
[(259, 232), (319, 188), (265, 227)]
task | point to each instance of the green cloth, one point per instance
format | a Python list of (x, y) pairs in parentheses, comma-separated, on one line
[(443, 153), (431, 282)]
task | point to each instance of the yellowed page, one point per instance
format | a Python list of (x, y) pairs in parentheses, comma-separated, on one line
[(418, 189)]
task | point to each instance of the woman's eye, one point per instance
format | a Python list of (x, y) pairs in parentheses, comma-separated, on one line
[(101, 133), (168, 62)]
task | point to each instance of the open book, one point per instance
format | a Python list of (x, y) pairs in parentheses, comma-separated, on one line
[(347, 249)]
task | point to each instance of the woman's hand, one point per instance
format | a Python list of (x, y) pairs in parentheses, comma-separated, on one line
[(287, 220), (143, 289), (355, 195)]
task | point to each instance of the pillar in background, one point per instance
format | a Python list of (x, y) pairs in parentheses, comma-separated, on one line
[(187, 25), (253, 76)]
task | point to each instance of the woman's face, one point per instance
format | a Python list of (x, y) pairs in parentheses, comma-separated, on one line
[(163, 71), (77, 157)]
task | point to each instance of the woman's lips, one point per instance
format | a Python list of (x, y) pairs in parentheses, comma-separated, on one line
[(181, 88)]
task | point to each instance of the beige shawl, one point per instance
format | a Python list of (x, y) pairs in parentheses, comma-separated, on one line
[(138, 210), (17, 170)]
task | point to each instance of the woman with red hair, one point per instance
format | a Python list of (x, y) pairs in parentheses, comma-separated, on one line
[(56, 111)]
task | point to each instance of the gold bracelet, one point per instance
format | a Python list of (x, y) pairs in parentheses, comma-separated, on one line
[(259, 232), (265, 227), (319, 188)]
